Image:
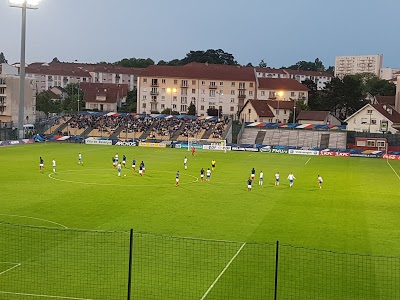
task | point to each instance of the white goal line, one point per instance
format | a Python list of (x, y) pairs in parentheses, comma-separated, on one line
[(222, 272)]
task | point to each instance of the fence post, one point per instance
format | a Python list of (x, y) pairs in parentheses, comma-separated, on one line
[(276, 270), (130, 264)]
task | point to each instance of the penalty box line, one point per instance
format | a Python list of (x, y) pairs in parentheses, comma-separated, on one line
[(398, 176), (222, 272), (15, 265)]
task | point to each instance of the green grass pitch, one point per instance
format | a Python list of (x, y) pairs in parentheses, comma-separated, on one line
[(356, 211)]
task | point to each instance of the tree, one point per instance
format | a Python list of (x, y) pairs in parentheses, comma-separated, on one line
[(47, 105), (191, 109), (262, 64), (3, 59), (55, 60), (71, 102), (317, 65), (168, 111), (131, 102), (134, 62), (375, 86), (210, 56), (330, 70), (249, 64)]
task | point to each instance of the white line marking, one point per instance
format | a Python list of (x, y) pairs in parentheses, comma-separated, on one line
[(44, 220), (196, 179), (308, 161), (223, 271), (9, 269), (8, 262), (45, 296), (393, 169)]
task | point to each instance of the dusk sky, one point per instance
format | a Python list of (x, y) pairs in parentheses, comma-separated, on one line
[(280, 32)]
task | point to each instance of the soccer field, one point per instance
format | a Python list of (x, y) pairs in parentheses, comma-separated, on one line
[(356, 211)]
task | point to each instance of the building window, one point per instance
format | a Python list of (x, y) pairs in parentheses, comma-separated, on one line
[(193, 91), (221, 83), (162, 98), (271, 95), (249, 110), (193, 82), (163, 81), (232, 108), (262, 93), (202, 107), (203, 91), (173, 106), (251, 84), (144, 81), (203, 83), (162, 106), (232, 84), (163, 90), (183, 108), (212, 93), (144, 105), (144, 97), (250, 93), (369, 111), (202, 99), (232, 100), (292, 94), (175, 81), (232, 92), (373, 121)]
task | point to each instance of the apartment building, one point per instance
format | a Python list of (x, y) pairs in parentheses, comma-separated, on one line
[(350, 65), (9, 96), (283, 89), (319, 78), (205, 85), (48, 75)]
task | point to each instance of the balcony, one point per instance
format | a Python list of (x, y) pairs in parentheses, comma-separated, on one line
[(242, 87), (184, 85), (154, 84), (213, 87), (241, 96), (154, 93)]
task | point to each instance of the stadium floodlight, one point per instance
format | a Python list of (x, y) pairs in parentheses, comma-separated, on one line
[(280, 94), (24, 5), (29, 4)]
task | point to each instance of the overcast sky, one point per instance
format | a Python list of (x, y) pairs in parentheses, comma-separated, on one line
[(281, 32)]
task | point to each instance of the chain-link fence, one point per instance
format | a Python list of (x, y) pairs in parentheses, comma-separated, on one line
[(49, 263)]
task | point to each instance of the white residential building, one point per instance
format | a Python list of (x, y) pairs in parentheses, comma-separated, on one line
[(372, 117), (9, 96), (319, 78), (350, 65)]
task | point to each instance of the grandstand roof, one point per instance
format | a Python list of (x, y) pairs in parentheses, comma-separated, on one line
[(201, 71), (313, 115), (285, 84)]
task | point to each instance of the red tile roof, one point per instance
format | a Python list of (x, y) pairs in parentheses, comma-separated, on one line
[(201, 71), (57, 70), (270, 70), (261, 107), (388, 111), (313, 115), (112, 92), (284, 104), (386, 99), (308, 73), (285, 84)]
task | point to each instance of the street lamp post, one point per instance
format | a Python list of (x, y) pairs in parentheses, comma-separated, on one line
[(280, 94), (24, 5), (171, 91), (294, 111)]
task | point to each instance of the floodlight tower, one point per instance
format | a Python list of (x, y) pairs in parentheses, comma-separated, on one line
[(24, 5)]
